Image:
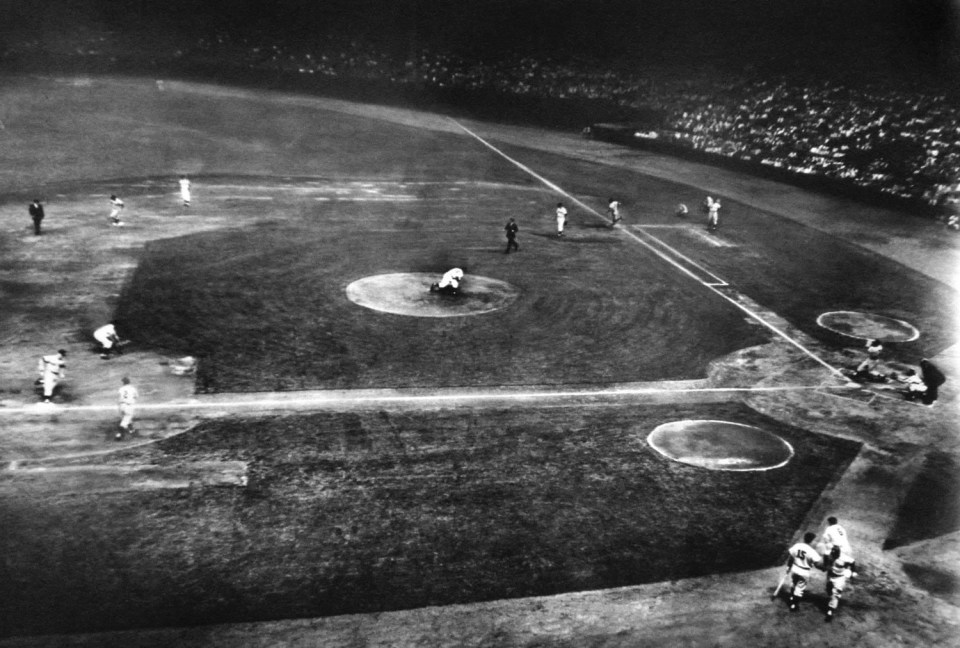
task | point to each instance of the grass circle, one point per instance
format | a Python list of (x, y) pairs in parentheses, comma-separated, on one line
[(868, 326), (408, 293), (720, 445)]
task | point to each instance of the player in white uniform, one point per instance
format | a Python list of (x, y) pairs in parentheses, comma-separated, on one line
[(185, 190), (449, 283), (52, 370), (866, 369), (109, 341), (127, 397), (561, 218), (713, 214), (839, 571), (915, 387), (116, 208), (802, 558), (834, 536), (613, 211)]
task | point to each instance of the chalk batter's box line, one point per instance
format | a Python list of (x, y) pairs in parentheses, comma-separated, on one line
[(711, 280), (692, 230)]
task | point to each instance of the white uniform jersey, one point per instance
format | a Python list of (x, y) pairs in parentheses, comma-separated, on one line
[(836, 536), (53, 365), (803, 557), (185, 189), (106, 335), (128, 395), (452, 277)]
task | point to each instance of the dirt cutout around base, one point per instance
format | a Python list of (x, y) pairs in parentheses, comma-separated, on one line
[(867, 326), (720, 445), (408, 293)]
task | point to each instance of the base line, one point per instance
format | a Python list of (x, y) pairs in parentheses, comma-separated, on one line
[(320, 399)]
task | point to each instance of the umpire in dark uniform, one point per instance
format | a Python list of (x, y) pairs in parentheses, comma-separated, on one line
[(512, 228), (36, 213)]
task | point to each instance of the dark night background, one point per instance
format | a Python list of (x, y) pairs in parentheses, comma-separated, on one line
[(871, 36)]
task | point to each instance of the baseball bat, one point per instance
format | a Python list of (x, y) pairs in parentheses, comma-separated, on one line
[(783, 579)]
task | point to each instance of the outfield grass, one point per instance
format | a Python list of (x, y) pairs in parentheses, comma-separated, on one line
[(376, 511)]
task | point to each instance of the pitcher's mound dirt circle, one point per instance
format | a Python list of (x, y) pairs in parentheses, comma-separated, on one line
[(720, 445), (867, 326), (408, 293)]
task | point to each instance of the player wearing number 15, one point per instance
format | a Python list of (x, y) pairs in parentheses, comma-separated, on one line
[(802, 558)]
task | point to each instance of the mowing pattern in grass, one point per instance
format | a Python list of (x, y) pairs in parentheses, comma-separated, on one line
[(266, 308), (362, 512)]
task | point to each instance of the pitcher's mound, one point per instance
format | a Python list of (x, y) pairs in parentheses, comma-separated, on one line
[(408, 293), (867, 326), (720, 445)]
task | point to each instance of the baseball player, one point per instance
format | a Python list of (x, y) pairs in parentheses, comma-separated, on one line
[(866, 368), (449, 284), (613, 211), (36, 214), (915, 387), (127, 398), (52, 370), (834, 536), (561, 218), (109, 341), (511, 229), (801, 558), (185, 190), (840, 570), (116, 208), (682, 211), (713, 214), (933, 378)]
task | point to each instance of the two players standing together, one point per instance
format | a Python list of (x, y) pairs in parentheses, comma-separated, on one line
[(836, 560)]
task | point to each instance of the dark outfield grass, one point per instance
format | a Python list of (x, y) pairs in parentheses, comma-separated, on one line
[(377, 511)]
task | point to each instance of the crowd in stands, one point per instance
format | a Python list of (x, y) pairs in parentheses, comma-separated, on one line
[(896, 141)]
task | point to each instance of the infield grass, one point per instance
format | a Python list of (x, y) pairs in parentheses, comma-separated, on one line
[(374, 511)]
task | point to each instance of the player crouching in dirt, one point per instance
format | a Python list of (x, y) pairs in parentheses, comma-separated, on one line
[(926, 386), (109, 341), (449, 284), (866, 371)]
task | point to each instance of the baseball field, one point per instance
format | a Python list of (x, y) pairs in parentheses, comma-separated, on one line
[(396, 451)]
